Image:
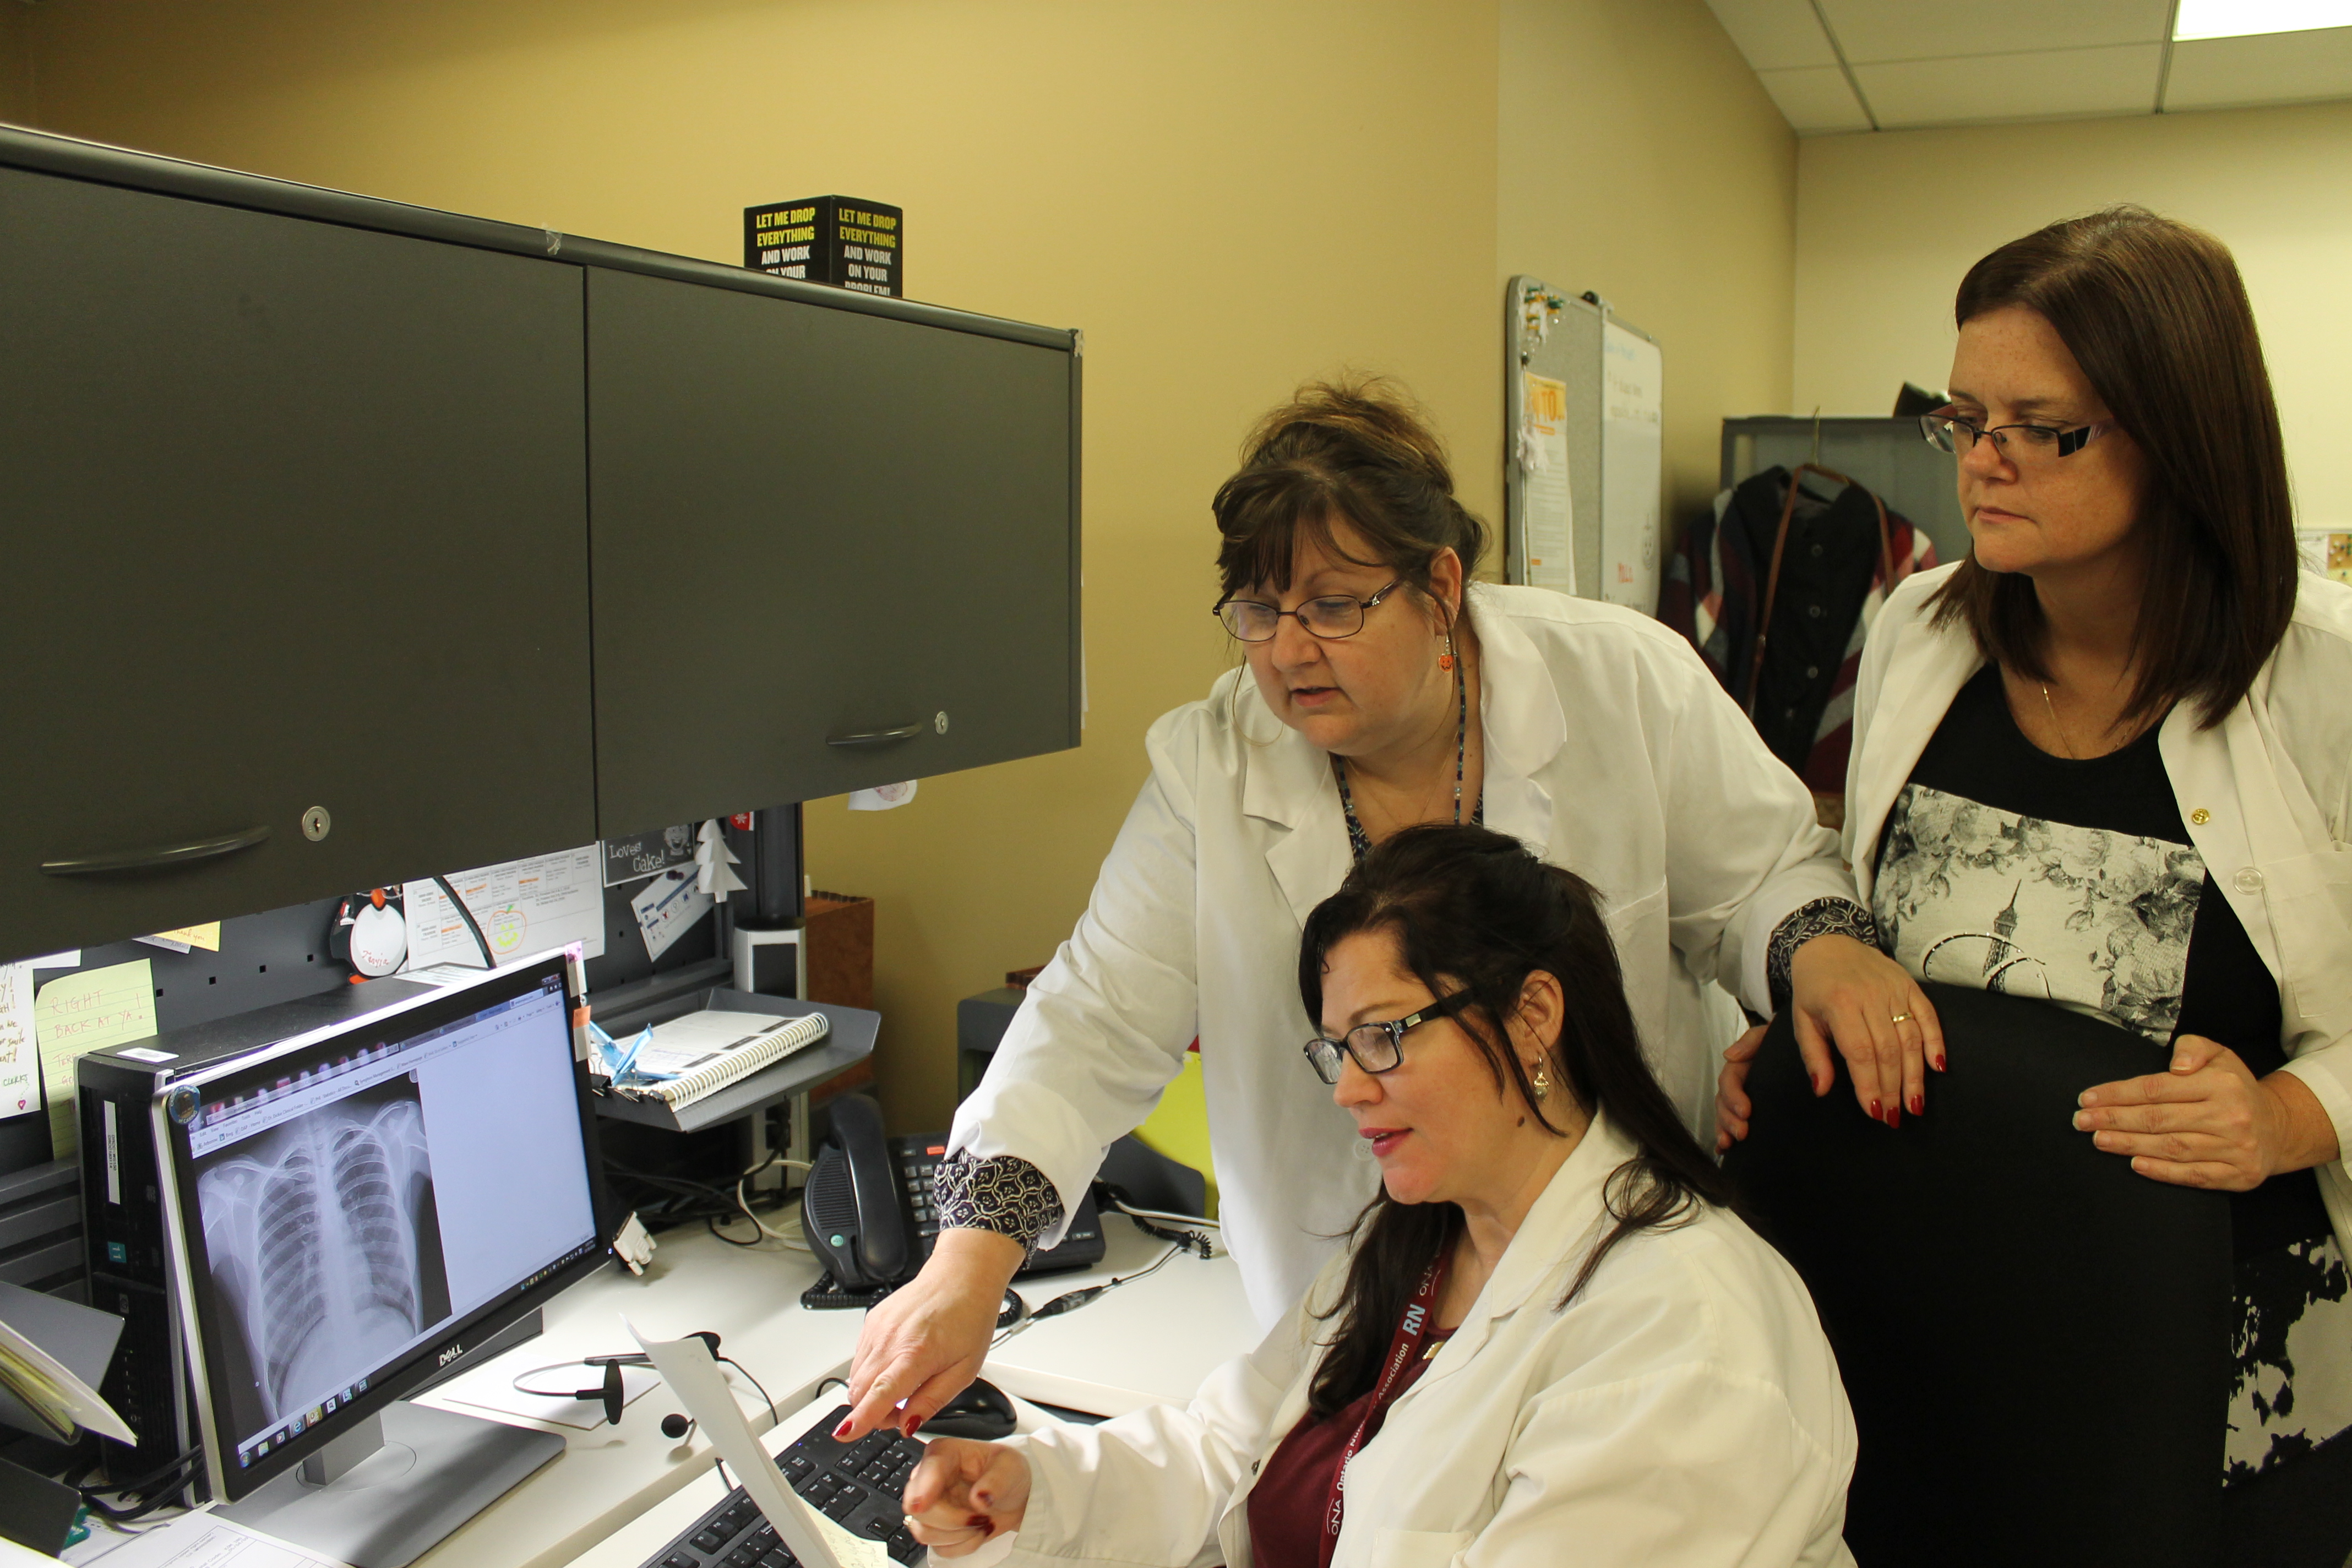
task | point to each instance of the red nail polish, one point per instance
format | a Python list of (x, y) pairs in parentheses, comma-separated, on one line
[(1918, 1105), (1877, 1112), (841, 1432), (913, 1421), (1894, 1116), (1940, 1063)]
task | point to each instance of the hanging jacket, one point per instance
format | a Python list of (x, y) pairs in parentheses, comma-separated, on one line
[(1835, 571)]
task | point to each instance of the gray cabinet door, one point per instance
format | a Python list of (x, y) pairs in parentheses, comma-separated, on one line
[(831, 549), (295, 517)]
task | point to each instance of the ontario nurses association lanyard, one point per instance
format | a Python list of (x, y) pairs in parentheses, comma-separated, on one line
[(1413, 1333)]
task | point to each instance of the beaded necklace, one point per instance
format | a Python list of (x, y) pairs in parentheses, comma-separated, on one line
[(1360, 843)]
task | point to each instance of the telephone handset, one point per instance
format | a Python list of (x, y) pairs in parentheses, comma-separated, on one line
[(867, 1213)]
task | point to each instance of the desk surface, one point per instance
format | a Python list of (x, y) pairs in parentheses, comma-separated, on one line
[(618, 1492), (608, 1476), (1153, 1340)]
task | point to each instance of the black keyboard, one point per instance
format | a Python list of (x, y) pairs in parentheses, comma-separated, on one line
[(856, 1484)]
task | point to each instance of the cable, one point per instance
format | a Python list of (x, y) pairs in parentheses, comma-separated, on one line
[(467, 916), (1071, 1300), (755, 1382)]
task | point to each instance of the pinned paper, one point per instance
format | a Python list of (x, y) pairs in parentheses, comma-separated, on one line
[(206, 936), (667, 906), (20, 1079), (717, 862), (87, 1012), (882, 797)]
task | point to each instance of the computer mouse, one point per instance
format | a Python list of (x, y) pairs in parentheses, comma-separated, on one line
[(983, 1411)]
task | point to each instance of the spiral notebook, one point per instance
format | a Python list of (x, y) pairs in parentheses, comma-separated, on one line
[(711, 1049)]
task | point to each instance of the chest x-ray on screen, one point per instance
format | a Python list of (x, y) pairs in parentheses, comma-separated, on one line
[(325, 1248)]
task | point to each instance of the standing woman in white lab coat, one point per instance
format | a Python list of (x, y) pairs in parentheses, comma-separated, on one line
[(2107, 759), (1379, 688)]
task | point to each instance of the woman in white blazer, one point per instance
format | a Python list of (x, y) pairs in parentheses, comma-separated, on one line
[(1550, 1340), (1379, 688), (2108, 760)]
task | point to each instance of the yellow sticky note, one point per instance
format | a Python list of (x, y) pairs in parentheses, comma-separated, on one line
[(87, 1012), (206, 936)]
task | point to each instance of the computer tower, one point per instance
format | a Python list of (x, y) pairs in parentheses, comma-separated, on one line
[(130, 1272)]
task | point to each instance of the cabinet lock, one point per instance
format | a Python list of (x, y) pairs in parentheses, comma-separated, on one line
[(315, 822)]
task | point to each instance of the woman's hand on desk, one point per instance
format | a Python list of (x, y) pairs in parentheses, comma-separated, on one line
[(964, 1493), (924, 1344)]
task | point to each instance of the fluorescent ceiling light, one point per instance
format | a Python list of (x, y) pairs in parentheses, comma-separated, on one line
[(2236, 18)]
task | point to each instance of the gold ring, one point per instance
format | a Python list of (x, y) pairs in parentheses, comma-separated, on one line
[(1902, 1018)]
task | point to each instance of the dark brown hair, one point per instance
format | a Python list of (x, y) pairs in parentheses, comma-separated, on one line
[(2156, 314), (1356, 450), (1473, 911)]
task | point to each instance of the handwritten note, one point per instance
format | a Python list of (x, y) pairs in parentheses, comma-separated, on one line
[(206, 936), (20, 1083), (87, 1012)]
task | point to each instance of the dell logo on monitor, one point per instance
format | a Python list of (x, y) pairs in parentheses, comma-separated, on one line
[(452, 1353)]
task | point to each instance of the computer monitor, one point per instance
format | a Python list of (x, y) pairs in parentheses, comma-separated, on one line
[(349, 1211)]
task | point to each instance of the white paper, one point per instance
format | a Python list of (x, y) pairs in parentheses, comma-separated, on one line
[(205, 1540), (69, 959), (522, 905), (1632, 458), (1546, 517), (20, 1083), (684, 1044), (882, 797), (493, 1388), (67, 1395), (667, 906)]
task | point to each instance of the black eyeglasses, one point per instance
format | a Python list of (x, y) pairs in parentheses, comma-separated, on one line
[(1375, 1047), (1330, 618), (2021, 443)]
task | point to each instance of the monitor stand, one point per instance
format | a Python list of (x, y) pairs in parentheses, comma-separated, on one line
[(387, 1491)]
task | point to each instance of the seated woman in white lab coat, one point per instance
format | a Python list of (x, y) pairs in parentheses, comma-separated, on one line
[(1549, 1338)]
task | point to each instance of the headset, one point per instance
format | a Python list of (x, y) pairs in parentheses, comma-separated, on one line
[(613, 1395)]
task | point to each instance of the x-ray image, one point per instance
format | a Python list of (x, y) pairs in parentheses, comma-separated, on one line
[(324, 1248)]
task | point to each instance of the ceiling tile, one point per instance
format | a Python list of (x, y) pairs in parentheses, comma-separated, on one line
[(1815, 100), (1879, 30), (2268, 68), (2120, 81), (1774, 35)]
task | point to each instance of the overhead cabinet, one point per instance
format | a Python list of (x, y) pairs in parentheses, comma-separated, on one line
[(831, 550), (349, 542), (295, 522)]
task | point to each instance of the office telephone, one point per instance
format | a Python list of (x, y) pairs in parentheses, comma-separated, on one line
[(868, 1214)]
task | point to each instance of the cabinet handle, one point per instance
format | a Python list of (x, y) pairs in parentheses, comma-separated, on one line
[(876, 737), (156, 860)]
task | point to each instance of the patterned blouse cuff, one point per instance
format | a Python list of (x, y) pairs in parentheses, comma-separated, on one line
[(1822, 917), (1003, 1192)]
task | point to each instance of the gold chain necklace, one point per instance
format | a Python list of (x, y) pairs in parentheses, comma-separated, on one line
[(2061, 729)]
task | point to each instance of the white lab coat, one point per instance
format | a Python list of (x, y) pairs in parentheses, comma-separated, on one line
[(1685, 1409), (1608, 747), (2266, 796)]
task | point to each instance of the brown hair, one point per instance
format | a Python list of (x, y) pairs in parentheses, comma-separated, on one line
[(2156, 314), (1358, 449)]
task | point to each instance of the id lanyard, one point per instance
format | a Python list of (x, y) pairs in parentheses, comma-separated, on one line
[(1412, 1333)]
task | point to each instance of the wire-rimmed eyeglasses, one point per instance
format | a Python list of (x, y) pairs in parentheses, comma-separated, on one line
[(1375, 1047), (1330, 618), (1947, 432)]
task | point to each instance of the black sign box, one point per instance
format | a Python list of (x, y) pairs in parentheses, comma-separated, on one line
[(839, 240)]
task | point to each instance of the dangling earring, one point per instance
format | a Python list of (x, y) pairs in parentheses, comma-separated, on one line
[(1541, 1082), (1445, 659)]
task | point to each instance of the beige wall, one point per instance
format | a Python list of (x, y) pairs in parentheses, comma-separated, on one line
[(1886, 225), (1641, 160), (16, 104), (1228, 196)]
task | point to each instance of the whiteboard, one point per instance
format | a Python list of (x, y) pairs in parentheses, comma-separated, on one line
[(1633, 459)]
